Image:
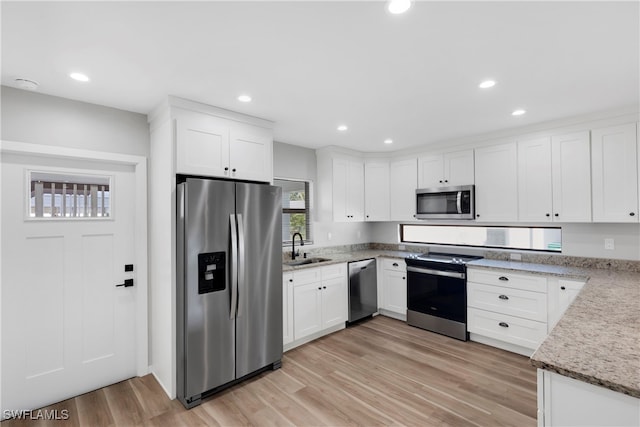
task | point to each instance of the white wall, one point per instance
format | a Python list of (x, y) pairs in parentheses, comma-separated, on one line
[(49, 120), (587, 240), (291, 161), (583, 240)]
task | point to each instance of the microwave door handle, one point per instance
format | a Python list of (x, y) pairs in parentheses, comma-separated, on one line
[(459, 202)]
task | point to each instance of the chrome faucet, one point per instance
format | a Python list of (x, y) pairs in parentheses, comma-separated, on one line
[(293, 245)]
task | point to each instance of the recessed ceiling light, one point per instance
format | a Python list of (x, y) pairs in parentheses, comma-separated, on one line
[(487, 84), (26, 84), (398, 6), (342, 128), (79, 77), (244, 98), (388, 141), (518, 112)]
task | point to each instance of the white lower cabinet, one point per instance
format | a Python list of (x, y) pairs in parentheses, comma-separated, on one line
[(567, 402), (509, 329), (287, 308), (307, 309), (319, 300), (561, 295), (394, 288), (507, 310), (516, 311)]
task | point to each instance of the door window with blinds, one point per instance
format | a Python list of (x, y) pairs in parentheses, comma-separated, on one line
[(296, 209), (67, 196)]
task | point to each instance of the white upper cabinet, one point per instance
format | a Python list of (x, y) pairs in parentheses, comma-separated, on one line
[(348, 190), (431, 171), (614, 172), (376, 190), (202, 146), (444, 170), (250, 153), (571, 172), (403, 179), (535, 194), (497, 183), (212, 146)]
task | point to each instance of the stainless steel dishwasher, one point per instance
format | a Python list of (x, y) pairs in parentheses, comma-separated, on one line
[(363, 289)]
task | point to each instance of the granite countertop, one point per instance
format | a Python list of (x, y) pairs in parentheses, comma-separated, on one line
[(598, 338), (340, 257)]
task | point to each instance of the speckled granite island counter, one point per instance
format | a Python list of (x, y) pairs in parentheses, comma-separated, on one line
[(598, 338)]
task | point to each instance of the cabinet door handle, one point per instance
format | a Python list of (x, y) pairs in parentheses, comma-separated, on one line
[(556, 215), (403, 278), (226, 168), (504, 297), (291, 280), (395, 264), (632, 214), (547, 214), (324, 287), (504, 324), (440, 181), (319, 288), (446, 180), (563, 288), (233, 170), (503, 278)]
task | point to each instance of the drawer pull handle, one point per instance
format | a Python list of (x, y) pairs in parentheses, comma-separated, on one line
[(503, 324), (504, 297), (503, 278), (395, 264), (563, 288)]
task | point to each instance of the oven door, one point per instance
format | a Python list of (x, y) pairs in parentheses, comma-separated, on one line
[(438, 293)]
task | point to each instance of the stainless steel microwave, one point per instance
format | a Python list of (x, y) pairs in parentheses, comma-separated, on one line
[(446, 202)]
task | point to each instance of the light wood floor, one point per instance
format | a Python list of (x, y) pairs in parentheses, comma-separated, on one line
[(380, 372)]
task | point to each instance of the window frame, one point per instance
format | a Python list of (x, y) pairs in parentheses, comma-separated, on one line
[(307, 211), (60, 175), (402, 239)]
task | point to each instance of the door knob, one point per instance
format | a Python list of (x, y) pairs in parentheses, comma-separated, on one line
[(127, 283)]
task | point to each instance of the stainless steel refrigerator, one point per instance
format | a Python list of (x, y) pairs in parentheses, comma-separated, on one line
[(229, 284)]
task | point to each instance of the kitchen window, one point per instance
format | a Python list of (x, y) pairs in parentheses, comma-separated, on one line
[(296, 209), (547, 239)]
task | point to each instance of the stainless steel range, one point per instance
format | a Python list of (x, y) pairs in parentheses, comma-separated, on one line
[(437, 293)]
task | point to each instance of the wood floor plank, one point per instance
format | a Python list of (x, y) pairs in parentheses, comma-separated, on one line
[(93, 409), (124, 409), (379, 372)]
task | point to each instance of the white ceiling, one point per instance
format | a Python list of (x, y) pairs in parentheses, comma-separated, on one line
[(311, 66)]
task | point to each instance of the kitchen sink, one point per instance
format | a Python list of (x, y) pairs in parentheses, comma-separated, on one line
[(306, 261)]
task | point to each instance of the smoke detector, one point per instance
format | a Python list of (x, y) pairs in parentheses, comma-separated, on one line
[(26, 84)]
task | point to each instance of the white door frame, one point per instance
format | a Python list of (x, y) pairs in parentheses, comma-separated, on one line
[(139, 164)]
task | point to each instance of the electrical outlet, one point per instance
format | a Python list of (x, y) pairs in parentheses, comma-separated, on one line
[(329, 236), (358, 234), (515, 257), (609, 244), (401, 247)]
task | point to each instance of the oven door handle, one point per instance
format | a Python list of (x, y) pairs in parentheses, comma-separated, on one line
[(437, 272)]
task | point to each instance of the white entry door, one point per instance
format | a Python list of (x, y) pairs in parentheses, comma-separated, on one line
[(66, 327)]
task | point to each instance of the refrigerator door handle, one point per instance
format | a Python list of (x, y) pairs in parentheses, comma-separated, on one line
[(234, 266), (241, 270)]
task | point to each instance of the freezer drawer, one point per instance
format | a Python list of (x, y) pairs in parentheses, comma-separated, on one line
[(363, 289)]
